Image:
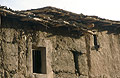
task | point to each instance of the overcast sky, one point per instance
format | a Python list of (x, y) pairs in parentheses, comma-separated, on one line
[(109, 9)]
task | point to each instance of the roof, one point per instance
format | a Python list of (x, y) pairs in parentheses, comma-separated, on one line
[(52, 17)]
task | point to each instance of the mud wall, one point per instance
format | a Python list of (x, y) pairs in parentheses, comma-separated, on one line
[(67, 57), (105, 63)]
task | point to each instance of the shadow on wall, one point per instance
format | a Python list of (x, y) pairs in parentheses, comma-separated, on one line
[(29, 27)]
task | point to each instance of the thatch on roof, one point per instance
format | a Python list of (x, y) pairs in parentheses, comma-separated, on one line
[(51, 17)]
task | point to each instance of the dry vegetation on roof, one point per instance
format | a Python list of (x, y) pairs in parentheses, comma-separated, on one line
[(54, 17)]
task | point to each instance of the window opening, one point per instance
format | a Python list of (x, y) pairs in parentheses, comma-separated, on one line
[(96, 42), (39, 60)]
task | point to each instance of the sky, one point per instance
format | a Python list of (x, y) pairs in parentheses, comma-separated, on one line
[(108, 9)]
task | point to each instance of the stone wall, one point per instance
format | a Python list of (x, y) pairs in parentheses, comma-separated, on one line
[(67, 57)]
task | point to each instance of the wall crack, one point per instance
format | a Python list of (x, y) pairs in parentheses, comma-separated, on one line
[(76, 54)]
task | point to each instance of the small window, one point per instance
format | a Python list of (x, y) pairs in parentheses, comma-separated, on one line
[(96, 43), (39, 60)]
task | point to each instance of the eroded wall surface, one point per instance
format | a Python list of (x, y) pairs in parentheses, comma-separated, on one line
[(105, 63), (67, 57)]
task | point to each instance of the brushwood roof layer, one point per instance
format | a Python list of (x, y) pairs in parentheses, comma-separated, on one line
[(54, 17)]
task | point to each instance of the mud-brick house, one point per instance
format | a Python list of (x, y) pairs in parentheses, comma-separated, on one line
[(53, 43)]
